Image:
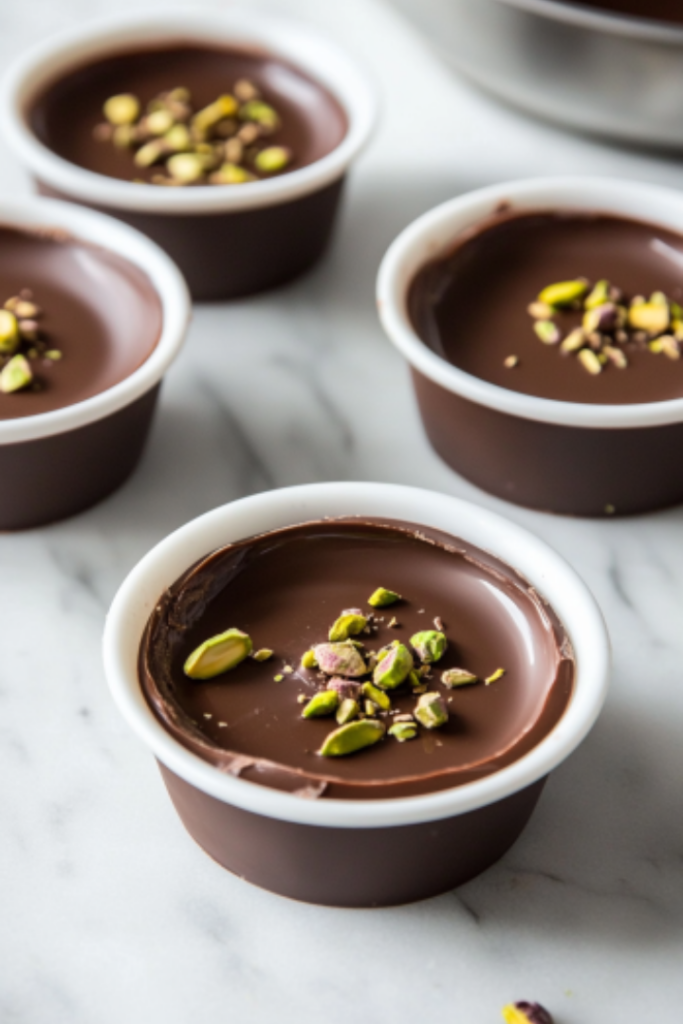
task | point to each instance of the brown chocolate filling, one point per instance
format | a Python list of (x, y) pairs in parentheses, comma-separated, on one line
[(100, 312), (286, 588), (471, 305), (65, 114), (658, 10)]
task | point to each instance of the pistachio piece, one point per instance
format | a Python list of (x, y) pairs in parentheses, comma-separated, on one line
[(547, 331), (403, 731), (249, 133), (652, 317), (393, 668), (498, 674), (616, 356), (245, 90), (234, 151), (589, 361), (278, 678), (430, 644), (177, 139), (160, 122), (28, 329), (231, 174), (24, 309), (379, 697), (350, 623), (206, 118), (454, 677), (601, 318), (340, 659), (325, 702), (563, 293), (272, 159), (15, 375), (149, 153), (186, 167), (510, 362), (264, 654), (309, 660), (9, 333), (346, 688), (383, 598), (347, 711), (370, 709), (53, 354), (415, 680), (526, 1013), (218, 654), (575, 340), (260, 112), (122, 109), (669, 346), (599, 295), (539, 310), (352, 737), (431, 710)]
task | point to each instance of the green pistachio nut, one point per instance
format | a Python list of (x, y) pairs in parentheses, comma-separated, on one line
[(415, 680), (340, 659), (272, 159), (431, 710), (260, 112), (186, 168), (347, 711), (124, 136), (208, 117), (380, 698), (370, 708), (160, 122), (150, 153), (325, 702), (352, 737), (589, 361), (652, 317), (547, 331), (309, 660), (264, 654), (10, 339), (349, 623), (218, 654), (454, 677), (383, 598), (15, 375), (430, 645), (177, 139), (393, 668), (575, 340), (598, 295), (498, 674), (403, 731), (122, 109), (563, 293), (231, 174)]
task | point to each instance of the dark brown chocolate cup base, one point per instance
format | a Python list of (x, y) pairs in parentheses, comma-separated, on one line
[(58, 476), (230, 255), (351, 867), (577, 471)]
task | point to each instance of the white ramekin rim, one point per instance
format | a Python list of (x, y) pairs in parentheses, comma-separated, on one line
[(297, 43), (607, 22), (543, 567), (110, 234), (435, 232)]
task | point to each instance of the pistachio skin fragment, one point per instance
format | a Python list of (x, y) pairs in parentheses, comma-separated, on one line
[(403, 731), (218, 654), (122, 109), (563, 293), (10, 339), (431, 710), (349, 624), (309, 660), (345, 688), (526, 1013), (15, 375), (547, 331), (430, 644), (347, 711), (264, 654), (340, 659), (383, 598), (352, 737), (272, 159), (495, 676), (325, 702), (393, 668), (454, 677), (379, 697)]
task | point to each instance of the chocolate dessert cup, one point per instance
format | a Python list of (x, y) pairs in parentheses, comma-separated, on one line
[(571, 457), (229, 240), (89, 429), (318, 850)]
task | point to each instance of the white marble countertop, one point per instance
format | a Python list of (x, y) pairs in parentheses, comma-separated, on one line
[(110, 913)]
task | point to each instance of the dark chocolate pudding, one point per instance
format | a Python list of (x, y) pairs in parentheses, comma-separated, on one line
[(101, 314), (471, 307), (657, 10), (66, 114), (286, 588)]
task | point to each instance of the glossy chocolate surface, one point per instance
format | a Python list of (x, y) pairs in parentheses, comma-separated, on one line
[(471, 306), (287, 587), (99, 311), (659, 10), (65, 114)]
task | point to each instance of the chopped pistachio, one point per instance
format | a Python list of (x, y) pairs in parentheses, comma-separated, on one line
[(9, 333), (340, 659), (347, 711), (206, 118), (540, 310), (260, 112), (393, 668), (380, 698), (383, 598), (28, 329), (575, 340), (670, 346), (53, 354), (352, 737), (415, 680), (454, 677), (278, 678), (652, 317), (160, 122), (272, 159), (325, 702), (345, 687), (350, 623), (393, 622), (177, 139), (598, 295), (122, 109), (601, 318), (15, 375), (302, 699), (186, 167), (245, 90), (563, 293), (590, 361), (403, 731), (231, 174), (149, 153), (234, 151), (430, 644), (616, 356), (431, 710), (309, 660), (495, 676), (218, 654), (370, 708), (264, 654), (547, 331), (249, 133), (526, 1013), (510, 362)]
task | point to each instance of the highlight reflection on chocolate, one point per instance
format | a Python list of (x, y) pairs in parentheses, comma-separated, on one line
[(286, 588)]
